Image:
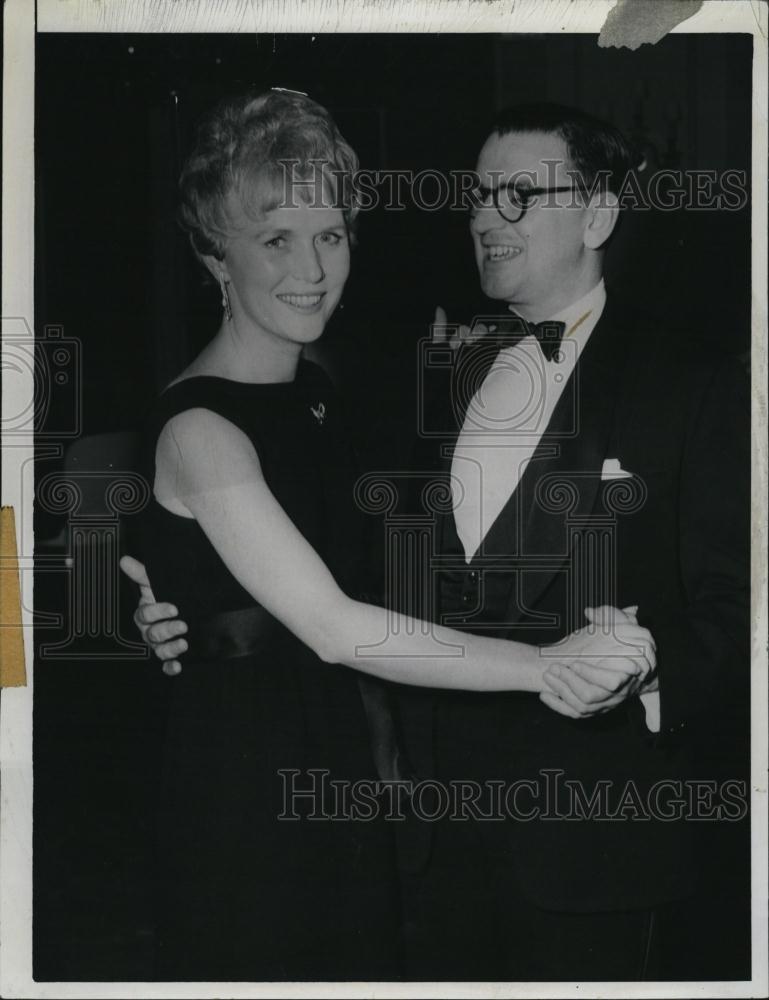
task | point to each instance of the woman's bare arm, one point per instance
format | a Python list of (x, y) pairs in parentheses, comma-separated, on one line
[(208, 469)]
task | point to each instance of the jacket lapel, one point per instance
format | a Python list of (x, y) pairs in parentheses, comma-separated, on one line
[(564, 475)]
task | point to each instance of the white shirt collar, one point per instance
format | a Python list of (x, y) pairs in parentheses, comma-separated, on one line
[(580, 319), (592, 303)]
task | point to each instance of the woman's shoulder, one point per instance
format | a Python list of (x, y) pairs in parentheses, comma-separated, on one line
[(234, 401), (189, 406), (188, 391), (204, 438), (201, 421)]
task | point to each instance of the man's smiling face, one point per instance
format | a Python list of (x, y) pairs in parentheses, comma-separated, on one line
[(539, 264)]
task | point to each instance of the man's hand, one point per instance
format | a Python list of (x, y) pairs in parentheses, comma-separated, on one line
[(158, 623), (444, 332), (580, 689)]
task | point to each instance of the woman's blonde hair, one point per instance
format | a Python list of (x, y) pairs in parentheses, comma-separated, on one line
[(261, 148)]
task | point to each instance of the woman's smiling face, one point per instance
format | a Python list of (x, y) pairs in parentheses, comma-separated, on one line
[(286, 270)]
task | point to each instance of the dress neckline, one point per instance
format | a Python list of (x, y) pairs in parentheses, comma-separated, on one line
[(242, 386)]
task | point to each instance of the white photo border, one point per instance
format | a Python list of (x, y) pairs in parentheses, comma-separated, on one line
[(22, 19)]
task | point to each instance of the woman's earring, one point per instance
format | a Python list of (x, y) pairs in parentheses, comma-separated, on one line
[(225, 296)]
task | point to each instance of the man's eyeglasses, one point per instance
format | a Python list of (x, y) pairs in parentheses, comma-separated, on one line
[(510, 201)]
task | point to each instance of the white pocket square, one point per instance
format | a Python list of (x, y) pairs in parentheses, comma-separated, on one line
[(613, 470)]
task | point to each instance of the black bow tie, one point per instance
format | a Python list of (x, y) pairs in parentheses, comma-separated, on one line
[(549, 334), (475, 358)]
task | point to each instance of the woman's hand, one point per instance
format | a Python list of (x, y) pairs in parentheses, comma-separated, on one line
[(455, 335), (599, 666)]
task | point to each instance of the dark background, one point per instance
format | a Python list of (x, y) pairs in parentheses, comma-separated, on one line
[(114, 118)]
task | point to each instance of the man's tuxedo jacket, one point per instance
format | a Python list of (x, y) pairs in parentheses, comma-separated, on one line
[(672, 538)]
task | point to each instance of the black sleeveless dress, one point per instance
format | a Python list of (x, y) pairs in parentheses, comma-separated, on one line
[(257, 881)]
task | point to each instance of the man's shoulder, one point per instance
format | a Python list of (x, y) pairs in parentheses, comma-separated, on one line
[(669, 348)]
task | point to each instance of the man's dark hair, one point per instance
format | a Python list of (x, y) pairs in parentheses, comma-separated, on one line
[(596, 148)]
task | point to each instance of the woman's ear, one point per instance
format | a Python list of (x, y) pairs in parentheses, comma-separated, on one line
[(218, 271), (602, 218), (216, 268)]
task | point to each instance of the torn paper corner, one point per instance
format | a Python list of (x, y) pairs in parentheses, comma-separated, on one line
[(633, 23), (12, 669)]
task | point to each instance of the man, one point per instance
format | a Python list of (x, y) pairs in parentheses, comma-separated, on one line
[(611, 472), (582, 472)]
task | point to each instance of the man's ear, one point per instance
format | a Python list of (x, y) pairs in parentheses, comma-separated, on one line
[(603, 214)]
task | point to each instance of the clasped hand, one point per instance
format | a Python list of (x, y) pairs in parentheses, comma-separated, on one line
[(599, 666)]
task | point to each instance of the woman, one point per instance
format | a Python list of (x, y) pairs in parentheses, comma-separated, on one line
[(253, 532)]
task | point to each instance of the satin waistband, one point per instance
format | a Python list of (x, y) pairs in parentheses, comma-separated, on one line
[(231, 634)]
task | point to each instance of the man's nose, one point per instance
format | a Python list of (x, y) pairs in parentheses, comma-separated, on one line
[(486, 218), (308, 266)]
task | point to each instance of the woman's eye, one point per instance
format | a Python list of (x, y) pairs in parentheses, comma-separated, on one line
[(333, 239), (275, 243)]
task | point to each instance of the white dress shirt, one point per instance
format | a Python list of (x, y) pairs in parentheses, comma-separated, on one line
[(507, 417)]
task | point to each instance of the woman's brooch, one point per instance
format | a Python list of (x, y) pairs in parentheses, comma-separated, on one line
[(319, 413)]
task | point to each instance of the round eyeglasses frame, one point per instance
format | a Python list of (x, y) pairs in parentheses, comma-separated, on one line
[(518, 199)]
